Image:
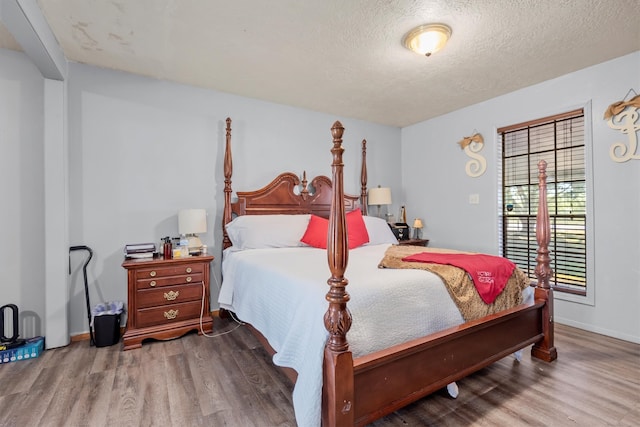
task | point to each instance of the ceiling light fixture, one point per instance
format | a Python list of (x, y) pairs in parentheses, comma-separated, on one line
[(427, 39)]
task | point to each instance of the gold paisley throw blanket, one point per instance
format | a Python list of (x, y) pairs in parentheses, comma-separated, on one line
[(458, 282)]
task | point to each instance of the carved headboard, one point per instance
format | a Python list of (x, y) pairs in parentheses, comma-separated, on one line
[(286, 194)]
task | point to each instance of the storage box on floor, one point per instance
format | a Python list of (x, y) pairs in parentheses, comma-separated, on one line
[(29, 350)]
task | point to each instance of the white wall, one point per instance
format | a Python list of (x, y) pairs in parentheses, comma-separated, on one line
[(437, 187), (22, 190), (141, 149)]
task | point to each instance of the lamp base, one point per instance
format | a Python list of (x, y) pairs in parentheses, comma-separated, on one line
[(195, 244)]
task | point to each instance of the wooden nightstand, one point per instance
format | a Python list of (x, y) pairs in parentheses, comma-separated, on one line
[(414, 242), (165, 298)]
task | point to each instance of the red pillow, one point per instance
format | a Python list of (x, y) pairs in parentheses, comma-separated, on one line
[(316, 234), (318, 228), (356, 229)]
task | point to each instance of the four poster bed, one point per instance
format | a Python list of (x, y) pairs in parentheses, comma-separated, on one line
[(398, 350)]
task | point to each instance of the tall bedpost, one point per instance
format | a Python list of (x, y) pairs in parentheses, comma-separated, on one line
[(544, 349), (228, 171), (363, 179), (337, 390)]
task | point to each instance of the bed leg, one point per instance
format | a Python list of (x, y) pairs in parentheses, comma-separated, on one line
[(545, 348), (338, 380), (337, 389)]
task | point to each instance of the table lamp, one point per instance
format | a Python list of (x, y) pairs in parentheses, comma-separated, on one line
[(417, 228), (190, 223), (379, 196)]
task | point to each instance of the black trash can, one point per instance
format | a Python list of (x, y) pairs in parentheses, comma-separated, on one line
[(106, 323), (106, 329)]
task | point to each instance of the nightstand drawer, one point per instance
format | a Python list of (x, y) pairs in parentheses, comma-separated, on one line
[(169, 295), (169, 270), (168, 314), (184, 279)]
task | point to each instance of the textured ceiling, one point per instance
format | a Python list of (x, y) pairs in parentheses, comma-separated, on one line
[(345, 57)]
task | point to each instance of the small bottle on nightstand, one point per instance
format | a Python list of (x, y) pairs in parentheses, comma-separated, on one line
[(184, 246), (166, 248)]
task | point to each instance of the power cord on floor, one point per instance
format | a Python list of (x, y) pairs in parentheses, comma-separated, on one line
[(239, 323)]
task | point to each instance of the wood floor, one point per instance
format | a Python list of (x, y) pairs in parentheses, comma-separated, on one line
[(230, 381)]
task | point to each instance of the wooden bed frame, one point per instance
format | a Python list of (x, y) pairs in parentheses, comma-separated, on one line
[(361, 390)]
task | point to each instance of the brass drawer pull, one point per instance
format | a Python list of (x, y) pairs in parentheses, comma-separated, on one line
[(170, 296), (189, 270), (152, 274), (152, 283), (189, 279), (171, 314)]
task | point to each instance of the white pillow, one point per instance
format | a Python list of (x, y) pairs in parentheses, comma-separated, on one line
[(267, 231), (379, 231)]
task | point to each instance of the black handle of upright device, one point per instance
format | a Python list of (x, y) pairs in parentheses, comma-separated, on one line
[(14, 310), (86, 285)]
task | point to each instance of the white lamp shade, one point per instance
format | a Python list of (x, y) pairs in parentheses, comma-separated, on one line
[(380, 196), (192, 221)]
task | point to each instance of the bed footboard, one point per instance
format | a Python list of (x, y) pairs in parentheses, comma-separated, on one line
[(392, 378), (357, 392)]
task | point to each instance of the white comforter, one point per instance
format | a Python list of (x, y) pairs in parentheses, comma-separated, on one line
[(281, 292)]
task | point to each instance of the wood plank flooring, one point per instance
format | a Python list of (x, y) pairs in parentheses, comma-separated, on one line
[(230, 381)]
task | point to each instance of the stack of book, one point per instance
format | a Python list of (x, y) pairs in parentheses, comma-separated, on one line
[(140, 250)]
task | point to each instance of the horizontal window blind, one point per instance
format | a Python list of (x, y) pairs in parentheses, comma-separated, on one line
[(559, 140)]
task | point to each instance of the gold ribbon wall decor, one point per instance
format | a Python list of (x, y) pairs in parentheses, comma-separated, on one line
[(472, 145), (623, 116)]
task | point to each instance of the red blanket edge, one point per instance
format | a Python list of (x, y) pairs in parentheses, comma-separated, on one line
[(489, 273)]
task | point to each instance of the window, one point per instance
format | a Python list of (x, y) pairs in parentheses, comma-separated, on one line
[(559, 140)]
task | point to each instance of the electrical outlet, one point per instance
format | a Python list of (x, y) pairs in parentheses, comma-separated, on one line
[(474, 199)]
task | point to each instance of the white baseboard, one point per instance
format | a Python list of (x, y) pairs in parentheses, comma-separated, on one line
[(597, 330)]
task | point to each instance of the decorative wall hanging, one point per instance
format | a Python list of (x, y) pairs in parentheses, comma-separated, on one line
[(623, 116), (472, 145)]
